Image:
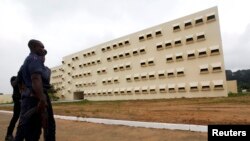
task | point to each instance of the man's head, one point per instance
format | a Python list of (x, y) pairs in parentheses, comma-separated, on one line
[(43, 55), (13, 78), (36, 47)]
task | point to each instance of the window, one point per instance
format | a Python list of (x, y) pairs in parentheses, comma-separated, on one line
[(120, 44), (127, 54), (122, 91), (204, 69), (214, 50), (211, 17), (180, 71), (169, 58), (135, 52), (143, 63), (126, 42), (144, 89), (151, 75), (200, 36), (115, 57), (218, 84), (110, 91), (116, 91), (182, 87), (129, 90), (179, 57), (137, 90), (142, 51), (93, 62), (98, 61), (193, 86), (116, 80), (188, 24), (189, 39), (136, 77), (149, 36), (199, 21), (144, 76), (205, 85), (176, 27), (152, 89), (121, 55), (109, 81), (170, 73), (191, 54), (171, 88), (121, 67), (115, 46), (141, 38), (177, 42), (158, 33), (103, 49), (104, 70), (99, 92), (128, 78), (108, 48), (162, 88), (151, 62), (202, 52), (128, 66), (104, 81), (115, 68), (161, 74), (104, 91), (168, 44), (159, 46), (109, 59), (216, 67)]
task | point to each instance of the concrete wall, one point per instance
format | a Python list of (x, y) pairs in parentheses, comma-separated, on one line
[(232, 86), (179, 58)]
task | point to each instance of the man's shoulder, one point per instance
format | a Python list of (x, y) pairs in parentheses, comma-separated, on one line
[(32, 57)]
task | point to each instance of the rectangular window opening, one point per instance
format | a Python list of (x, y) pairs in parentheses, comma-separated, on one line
[(188, 24), (158, 33), (149, 36), (199, 21), (210, 18)]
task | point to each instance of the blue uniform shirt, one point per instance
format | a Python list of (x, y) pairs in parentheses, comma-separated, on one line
[(34, 64)]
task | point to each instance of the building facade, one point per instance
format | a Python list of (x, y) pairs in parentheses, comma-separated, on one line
[(180, 58)]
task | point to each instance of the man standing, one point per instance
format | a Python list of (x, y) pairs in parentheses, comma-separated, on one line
[(35, 113), (16, 96)]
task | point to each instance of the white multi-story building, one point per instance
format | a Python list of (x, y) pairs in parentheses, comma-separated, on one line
[(180, 58)]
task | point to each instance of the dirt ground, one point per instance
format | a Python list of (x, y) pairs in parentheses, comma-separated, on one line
[(201, 111), (82, 131)]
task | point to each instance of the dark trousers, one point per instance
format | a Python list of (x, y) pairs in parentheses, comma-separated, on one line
[(50, 133), (16, 113), (29, 127), (30, 124)]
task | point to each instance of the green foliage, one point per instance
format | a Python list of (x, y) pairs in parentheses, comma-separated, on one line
[(51, 93)]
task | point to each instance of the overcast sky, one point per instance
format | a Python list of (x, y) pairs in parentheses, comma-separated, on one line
[(68, 26)]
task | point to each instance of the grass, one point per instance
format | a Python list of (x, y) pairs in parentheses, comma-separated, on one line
[(216, 110)]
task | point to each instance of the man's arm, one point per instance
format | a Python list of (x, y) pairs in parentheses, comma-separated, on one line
[(37, 87)]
